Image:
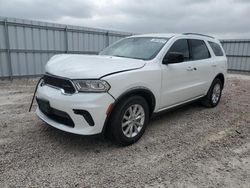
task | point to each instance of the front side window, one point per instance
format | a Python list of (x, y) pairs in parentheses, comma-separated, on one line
[(144, 48), (180, 46), (199, 49), (216, 48)]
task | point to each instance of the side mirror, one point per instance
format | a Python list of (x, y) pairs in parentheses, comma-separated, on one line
[(173, 57)]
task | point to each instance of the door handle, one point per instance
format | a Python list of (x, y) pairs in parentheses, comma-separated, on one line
[(189, 69), (214, 65)]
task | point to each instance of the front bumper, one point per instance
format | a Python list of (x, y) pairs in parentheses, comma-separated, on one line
[(96, 104)]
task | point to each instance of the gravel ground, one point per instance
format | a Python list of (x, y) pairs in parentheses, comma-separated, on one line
[(189, 147)]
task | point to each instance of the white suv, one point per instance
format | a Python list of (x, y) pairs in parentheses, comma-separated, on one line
[(117, 91)]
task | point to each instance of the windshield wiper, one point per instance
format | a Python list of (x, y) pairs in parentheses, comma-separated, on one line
[(129, 57)]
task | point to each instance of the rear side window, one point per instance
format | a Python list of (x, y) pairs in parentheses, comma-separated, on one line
[(180, 46), (199, 49), (216, 48)]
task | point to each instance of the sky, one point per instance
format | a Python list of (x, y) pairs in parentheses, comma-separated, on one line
[(220, 18)]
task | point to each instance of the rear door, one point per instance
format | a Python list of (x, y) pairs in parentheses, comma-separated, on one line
[(202, 65)]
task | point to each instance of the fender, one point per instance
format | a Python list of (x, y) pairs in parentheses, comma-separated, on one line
[(140, 90)]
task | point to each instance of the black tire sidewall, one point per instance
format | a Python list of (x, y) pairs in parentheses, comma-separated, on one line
[(216, 81), (116, 120)]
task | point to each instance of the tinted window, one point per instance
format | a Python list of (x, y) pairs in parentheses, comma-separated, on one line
[(199, 49), (180, 46), (216, 48)]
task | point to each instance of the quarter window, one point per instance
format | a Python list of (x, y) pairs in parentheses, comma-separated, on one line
[(180, 46), (216, 48), (199, 49)]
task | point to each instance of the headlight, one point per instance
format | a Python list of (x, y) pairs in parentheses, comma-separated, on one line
[(92, 85)]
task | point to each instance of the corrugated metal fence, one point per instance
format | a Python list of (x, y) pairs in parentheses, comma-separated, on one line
[(25, 46), (238, 54)]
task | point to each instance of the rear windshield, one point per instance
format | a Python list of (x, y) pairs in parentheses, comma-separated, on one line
[(144, 48)]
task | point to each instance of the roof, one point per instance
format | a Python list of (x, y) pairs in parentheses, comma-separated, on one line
[(169, 35), (163, 35)]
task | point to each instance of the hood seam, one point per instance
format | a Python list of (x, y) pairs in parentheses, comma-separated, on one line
[(120, 71)]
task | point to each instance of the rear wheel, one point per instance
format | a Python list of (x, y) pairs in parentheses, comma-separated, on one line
[(214, 94), (129, 120)]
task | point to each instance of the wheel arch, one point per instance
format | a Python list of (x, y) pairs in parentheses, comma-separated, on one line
[(221, 77), (144, 92)]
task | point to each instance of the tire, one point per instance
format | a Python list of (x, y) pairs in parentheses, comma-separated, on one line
[(122, 122), (213, 96)]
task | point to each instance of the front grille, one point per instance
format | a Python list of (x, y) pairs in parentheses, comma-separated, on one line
[(54, 114), (61, 83)]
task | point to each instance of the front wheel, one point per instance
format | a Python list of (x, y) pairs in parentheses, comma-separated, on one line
[(213, 96), (129, 120)]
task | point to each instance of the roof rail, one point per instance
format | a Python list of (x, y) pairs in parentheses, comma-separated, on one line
[(198, 34)]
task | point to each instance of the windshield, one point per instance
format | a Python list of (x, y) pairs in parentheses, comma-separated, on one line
[(145, 48)]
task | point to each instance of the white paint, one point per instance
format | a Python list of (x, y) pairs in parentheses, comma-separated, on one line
[(171, 84)]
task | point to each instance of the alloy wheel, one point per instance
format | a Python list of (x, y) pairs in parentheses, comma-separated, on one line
[(216, 93), (133, 120)]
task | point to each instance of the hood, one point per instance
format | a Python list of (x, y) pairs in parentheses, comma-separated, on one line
[(89, 66)]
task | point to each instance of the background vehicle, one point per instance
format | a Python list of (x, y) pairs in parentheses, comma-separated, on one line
[(117, 91)]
